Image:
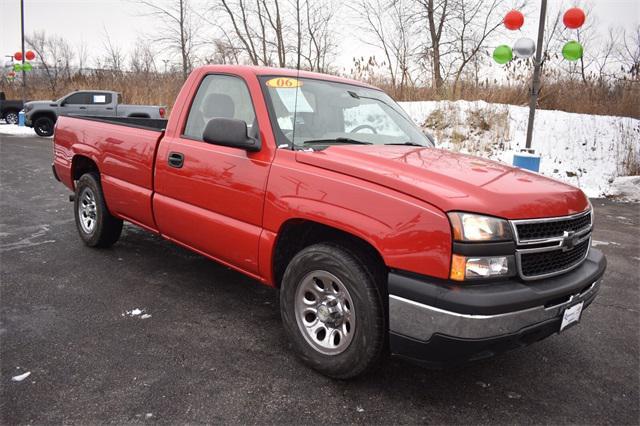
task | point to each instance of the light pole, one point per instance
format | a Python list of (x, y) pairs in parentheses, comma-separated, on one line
[(24, 73), (537, 66)]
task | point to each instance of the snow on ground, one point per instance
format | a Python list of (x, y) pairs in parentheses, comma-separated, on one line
[(21, 377), (626, 188), (588, 151), (136, 312), (12, 129)]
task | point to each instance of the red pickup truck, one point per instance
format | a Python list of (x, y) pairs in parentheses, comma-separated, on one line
[(325, 189)]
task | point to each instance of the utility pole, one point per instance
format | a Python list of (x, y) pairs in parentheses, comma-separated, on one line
[(24, 73), (535, 85)]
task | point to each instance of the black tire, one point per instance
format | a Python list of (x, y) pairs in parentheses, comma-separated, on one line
[(367, 342), (104, 229), (10, 117), (43, 126)]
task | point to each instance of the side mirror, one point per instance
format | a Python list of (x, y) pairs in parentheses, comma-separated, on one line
[(230, 132)]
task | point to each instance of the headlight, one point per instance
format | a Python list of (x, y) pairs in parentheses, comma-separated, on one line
[(474, 227)]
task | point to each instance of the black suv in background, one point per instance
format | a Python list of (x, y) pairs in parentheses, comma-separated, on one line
[(9, 109)]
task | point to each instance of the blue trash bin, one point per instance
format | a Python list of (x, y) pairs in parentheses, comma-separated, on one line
[(21, 119), (526, 160)]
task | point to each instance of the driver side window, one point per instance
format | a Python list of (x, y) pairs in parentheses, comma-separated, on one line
[(219, 96)]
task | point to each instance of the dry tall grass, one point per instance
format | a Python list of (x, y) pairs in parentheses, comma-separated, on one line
[(619, 98)]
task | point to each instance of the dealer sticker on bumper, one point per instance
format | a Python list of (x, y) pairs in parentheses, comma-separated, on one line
[(571, 315)]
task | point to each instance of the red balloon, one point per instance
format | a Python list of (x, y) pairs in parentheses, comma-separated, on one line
[(18, 56), (574, 18), (30, 55), (514, 20)]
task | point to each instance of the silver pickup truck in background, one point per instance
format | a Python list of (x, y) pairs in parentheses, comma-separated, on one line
[(42, 115)]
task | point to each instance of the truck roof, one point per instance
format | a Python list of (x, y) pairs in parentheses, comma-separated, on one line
[(287, 72)]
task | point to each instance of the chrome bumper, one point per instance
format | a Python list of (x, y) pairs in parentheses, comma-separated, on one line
[(420, 321)]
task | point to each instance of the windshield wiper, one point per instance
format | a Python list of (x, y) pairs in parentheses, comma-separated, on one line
[(337, 140), (407, 144)]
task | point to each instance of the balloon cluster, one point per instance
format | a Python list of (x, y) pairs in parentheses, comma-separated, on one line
[(525, 47), (29, 56)]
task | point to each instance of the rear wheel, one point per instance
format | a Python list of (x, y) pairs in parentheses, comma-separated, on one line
[(43, 126), (96, 226), (332, 311), (11, 117)]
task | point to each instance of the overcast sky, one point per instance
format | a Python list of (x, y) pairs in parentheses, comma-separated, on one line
[(85, 20)]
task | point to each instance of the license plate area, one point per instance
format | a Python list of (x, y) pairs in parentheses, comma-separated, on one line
[(571, 316)]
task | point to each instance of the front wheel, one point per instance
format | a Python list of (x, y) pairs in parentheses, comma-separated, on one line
[(332, 311), (43, 126), (96, 226)]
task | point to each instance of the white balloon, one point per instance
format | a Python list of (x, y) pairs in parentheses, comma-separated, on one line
[(524, 48)]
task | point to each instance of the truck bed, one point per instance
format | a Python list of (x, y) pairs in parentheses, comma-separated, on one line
[(158, 124), (124, 151)]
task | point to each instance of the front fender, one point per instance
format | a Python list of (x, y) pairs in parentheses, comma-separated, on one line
[(409, 234)]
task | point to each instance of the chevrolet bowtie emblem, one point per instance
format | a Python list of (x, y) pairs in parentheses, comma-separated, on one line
[(569, 240)]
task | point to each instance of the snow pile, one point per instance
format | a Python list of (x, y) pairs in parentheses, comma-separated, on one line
[(587, 151), (15, 130), (626, 188)]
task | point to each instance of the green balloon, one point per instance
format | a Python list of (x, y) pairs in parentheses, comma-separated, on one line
[(502, 54), (572, 51), (27, 66), (17, 67)]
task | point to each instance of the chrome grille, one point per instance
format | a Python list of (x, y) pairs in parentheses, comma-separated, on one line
[(556, 228), (542, 263), (551, 246)]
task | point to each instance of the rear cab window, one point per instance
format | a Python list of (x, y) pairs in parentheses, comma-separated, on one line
[(219, 96)]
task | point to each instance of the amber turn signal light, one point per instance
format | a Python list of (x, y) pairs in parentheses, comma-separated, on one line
[(458, 266)]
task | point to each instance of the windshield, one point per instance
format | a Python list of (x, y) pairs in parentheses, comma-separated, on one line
[(328, 112)]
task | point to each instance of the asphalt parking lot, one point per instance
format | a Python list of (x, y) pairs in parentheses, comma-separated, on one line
[(213, 349)]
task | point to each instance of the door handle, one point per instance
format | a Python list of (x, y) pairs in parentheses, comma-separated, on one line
[(109, 108), (82, 107), (176, 159)]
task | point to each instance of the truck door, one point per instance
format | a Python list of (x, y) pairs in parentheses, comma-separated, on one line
[(101, 104), (210, 197), (75, 104)]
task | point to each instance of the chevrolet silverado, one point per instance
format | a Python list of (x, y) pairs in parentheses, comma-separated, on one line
[(325, 189)]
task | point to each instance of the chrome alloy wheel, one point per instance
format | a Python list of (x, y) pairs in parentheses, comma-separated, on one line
[(325, 313), (87, 210), (11, 118)]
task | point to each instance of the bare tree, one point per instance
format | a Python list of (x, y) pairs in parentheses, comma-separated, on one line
[(436, 14), (273, 32), (180, 31), (114, 56), (387, 25), (55, 57), (629, 53), (142, 59), (83, 56), (472, 23), (320, 44)]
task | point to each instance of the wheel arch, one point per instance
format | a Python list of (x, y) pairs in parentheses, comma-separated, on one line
[(81, 164), (39, 114), (297, 233)]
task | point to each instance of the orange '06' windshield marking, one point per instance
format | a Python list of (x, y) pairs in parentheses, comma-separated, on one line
[(284, 83)]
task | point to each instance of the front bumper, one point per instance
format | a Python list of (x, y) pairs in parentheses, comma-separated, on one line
[(437, 322)]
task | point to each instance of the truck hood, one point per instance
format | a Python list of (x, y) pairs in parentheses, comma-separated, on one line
[(31, 104), (452, 181)]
